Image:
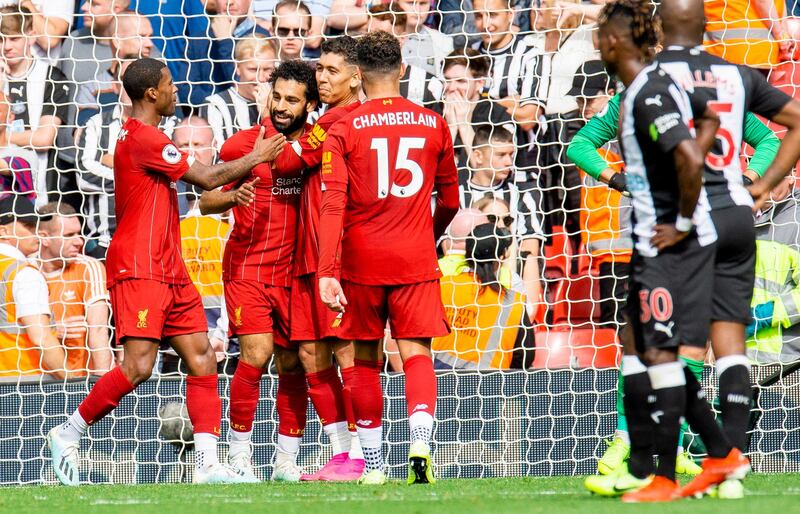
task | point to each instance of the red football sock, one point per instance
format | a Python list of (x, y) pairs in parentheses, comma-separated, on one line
[(348, 375), (325, 391), (105, 396), (420, 384), (203, 404), (292, 404), (367, 393), (244, 396)]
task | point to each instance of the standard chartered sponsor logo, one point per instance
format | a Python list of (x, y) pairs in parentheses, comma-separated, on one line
[(287, 186)]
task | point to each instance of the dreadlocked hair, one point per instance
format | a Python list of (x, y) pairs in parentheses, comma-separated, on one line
[(640, 17)]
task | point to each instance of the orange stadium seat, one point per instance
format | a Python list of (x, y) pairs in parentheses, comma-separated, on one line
[(576, 348)]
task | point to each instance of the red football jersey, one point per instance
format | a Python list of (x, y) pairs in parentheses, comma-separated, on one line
[(147, 242), (262, 242), (388, 155), (308, 150)]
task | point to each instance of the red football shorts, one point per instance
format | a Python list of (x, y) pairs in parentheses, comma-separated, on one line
[(256, 308), (311, 320), (154, 310), (414, 311)]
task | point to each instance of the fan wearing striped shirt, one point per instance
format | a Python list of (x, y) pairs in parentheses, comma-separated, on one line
[(236, 108), (416, 84)]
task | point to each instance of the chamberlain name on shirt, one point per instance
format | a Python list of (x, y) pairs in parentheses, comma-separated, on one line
[(394, 118), (288, 186)]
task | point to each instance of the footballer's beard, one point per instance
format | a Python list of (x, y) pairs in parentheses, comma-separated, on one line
[(285, 127)]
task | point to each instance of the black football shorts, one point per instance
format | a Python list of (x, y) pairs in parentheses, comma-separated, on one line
[(734, 266)]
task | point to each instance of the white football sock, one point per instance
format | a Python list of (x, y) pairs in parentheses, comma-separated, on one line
[(205, 451), (421, 425), (372, 446), (74, 428), (339, 436), (239, 442), (355, 447), (287, 449)]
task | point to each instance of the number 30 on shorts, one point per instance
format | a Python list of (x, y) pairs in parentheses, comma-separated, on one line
[(655, 304)]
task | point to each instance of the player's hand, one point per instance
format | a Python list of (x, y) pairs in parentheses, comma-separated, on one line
[(667, 235), (246, 193), (71, 327), (760, 194), (617, 182), (267, 149), (331, 294)]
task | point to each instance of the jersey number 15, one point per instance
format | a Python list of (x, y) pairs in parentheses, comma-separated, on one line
[(381, 147)]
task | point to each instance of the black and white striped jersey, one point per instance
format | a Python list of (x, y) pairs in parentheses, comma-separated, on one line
[(422, 88), (228, 112), (523, 202), (655, 115), (95, 178), (731, 91), (517, 70)]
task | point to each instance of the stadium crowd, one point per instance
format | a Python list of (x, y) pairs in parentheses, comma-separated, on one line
[(515, 81)]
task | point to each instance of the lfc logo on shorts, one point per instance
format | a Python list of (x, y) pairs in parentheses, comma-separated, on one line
[(237, 316), (142, 315)]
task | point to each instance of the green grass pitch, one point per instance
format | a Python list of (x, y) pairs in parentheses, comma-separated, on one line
[(776, 494)]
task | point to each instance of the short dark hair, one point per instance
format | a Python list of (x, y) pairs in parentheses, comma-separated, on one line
[(57, 208), (141, 75), (296, 5), (486, 134), (345, 46), (299, 71), (379, 52), (477, 63)]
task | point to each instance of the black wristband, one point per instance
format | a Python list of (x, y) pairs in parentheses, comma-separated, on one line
[(747, 180), (618, 182)]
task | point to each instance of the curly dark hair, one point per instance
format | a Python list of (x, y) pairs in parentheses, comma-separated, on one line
[(141, 75), (639, 17), (299, 71), (345, 46), (379, 52)]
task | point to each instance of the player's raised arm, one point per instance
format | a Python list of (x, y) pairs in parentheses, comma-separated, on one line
[(212, 177)]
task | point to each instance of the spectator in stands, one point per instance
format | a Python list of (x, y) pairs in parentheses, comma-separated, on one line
[(39, 96), (774, 334), (416, 84), (605, 214), (291, 25), (19, 167), (203, 237), (264, 11), (27, 344), (347, 17), (497, 211), (517, 80), (567, 44), (231, 20), (50, 24), (491, 166), (466, 106), (747, 32), (236, 108), (131, 40), (96, 144), (490, 325), (454, 242), (79, 300), (424, 47)]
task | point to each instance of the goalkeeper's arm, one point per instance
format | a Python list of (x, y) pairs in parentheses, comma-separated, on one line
[(765, 145), (582, 150)]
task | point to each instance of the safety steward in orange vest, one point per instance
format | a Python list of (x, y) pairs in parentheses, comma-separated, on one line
[(490, 326)]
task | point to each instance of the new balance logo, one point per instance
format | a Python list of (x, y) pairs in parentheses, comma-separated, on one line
[(738, 398), (122, 135), (420, 406), (667, 329), (656, 415), (656, 100), (364, 422)]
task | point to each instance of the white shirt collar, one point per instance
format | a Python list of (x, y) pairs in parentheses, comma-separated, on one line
[(12, 251)]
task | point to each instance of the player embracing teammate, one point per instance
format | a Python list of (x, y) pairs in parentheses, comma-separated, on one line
[(380, 166)]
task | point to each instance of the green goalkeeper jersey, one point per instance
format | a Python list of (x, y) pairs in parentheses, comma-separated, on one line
[(602, 128)]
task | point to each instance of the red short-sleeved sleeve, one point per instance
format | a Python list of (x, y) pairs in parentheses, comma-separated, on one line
[(159, 154), (333, 166)]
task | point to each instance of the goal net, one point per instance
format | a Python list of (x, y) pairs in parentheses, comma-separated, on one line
[(528, 377)]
